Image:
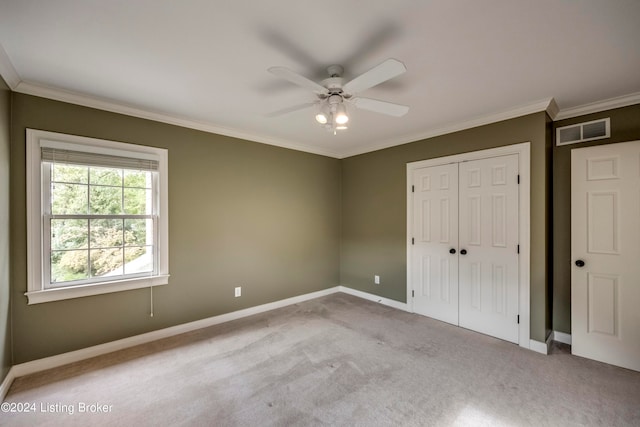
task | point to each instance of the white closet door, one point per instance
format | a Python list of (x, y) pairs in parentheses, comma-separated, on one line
[(605, 247), (488, 261), (435, 231)]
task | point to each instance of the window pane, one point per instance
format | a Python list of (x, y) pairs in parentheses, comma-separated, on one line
[(69, 265), (106, 200), (138, 232), (105, 176), (70, 173), (139, 179), (106, 262), (137, 201), (69, 233), (106, 233), (139, 260), (68, 199)]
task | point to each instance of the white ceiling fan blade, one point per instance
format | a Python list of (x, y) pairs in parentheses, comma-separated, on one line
[(378, 74), (290, 109), (298, 79), (383, 107)]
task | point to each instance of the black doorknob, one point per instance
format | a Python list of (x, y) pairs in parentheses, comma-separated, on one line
[(452, 251), (580, 263), (463, 252)]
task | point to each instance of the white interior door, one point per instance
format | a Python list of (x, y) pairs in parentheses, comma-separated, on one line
[(605, 247), (488, 267), (435, 225)]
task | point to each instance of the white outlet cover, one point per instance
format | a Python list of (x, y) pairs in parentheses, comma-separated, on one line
[(238, 291), (376, 279)]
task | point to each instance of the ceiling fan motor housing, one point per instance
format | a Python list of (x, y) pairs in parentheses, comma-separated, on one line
[(335, 70), (333, 84)]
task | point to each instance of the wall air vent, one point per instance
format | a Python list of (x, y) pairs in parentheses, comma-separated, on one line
[(581, 132)]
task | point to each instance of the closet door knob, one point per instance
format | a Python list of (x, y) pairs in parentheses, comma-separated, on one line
[(580, 263), (452, 251), (463, 252)]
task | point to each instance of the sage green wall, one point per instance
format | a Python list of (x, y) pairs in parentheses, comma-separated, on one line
[(625, 126), (5, 310), (240, 214), (374, 208)]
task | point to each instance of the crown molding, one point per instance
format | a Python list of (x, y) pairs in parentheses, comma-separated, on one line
[(548, 105), (553, 110), (595, 107), (115, 107), (7, 71), (535, 107)]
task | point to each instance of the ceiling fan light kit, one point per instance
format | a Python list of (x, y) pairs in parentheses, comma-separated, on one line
[(322, 116), (333, 93), (332, 113), (341, 114)]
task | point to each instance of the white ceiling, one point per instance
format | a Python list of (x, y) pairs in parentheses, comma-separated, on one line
[(203, 63)]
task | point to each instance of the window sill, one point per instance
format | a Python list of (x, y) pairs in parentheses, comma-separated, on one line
[(58, 294)]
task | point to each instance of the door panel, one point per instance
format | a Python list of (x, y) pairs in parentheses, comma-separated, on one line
[(605, 235), (488, 272), (603, 217), (435, 271), (603, 304)]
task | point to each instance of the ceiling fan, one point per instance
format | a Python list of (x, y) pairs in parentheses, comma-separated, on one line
[(333, 93)]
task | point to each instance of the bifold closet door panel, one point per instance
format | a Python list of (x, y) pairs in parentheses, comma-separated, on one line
[(435, 231), (488, 240)]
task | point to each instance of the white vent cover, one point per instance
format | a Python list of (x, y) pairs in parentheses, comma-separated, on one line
[(587, 131)]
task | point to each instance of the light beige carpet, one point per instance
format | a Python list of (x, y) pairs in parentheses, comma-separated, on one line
[(337, 360)]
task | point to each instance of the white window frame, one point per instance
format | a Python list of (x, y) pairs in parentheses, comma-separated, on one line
[(38, 243)]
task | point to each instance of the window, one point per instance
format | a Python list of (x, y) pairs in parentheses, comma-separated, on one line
[(97, 216)]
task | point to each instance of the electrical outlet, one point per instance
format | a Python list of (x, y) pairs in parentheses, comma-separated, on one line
[(376, 279), (238, 291)]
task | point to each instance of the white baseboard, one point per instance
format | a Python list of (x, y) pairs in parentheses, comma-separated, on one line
[(375, 298), (97, 350), (545, 348), (562, 337), (541, 347), (538, 347), (6, 383)]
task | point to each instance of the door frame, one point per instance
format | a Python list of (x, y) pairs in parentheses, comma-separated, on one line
[(524, 206)]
